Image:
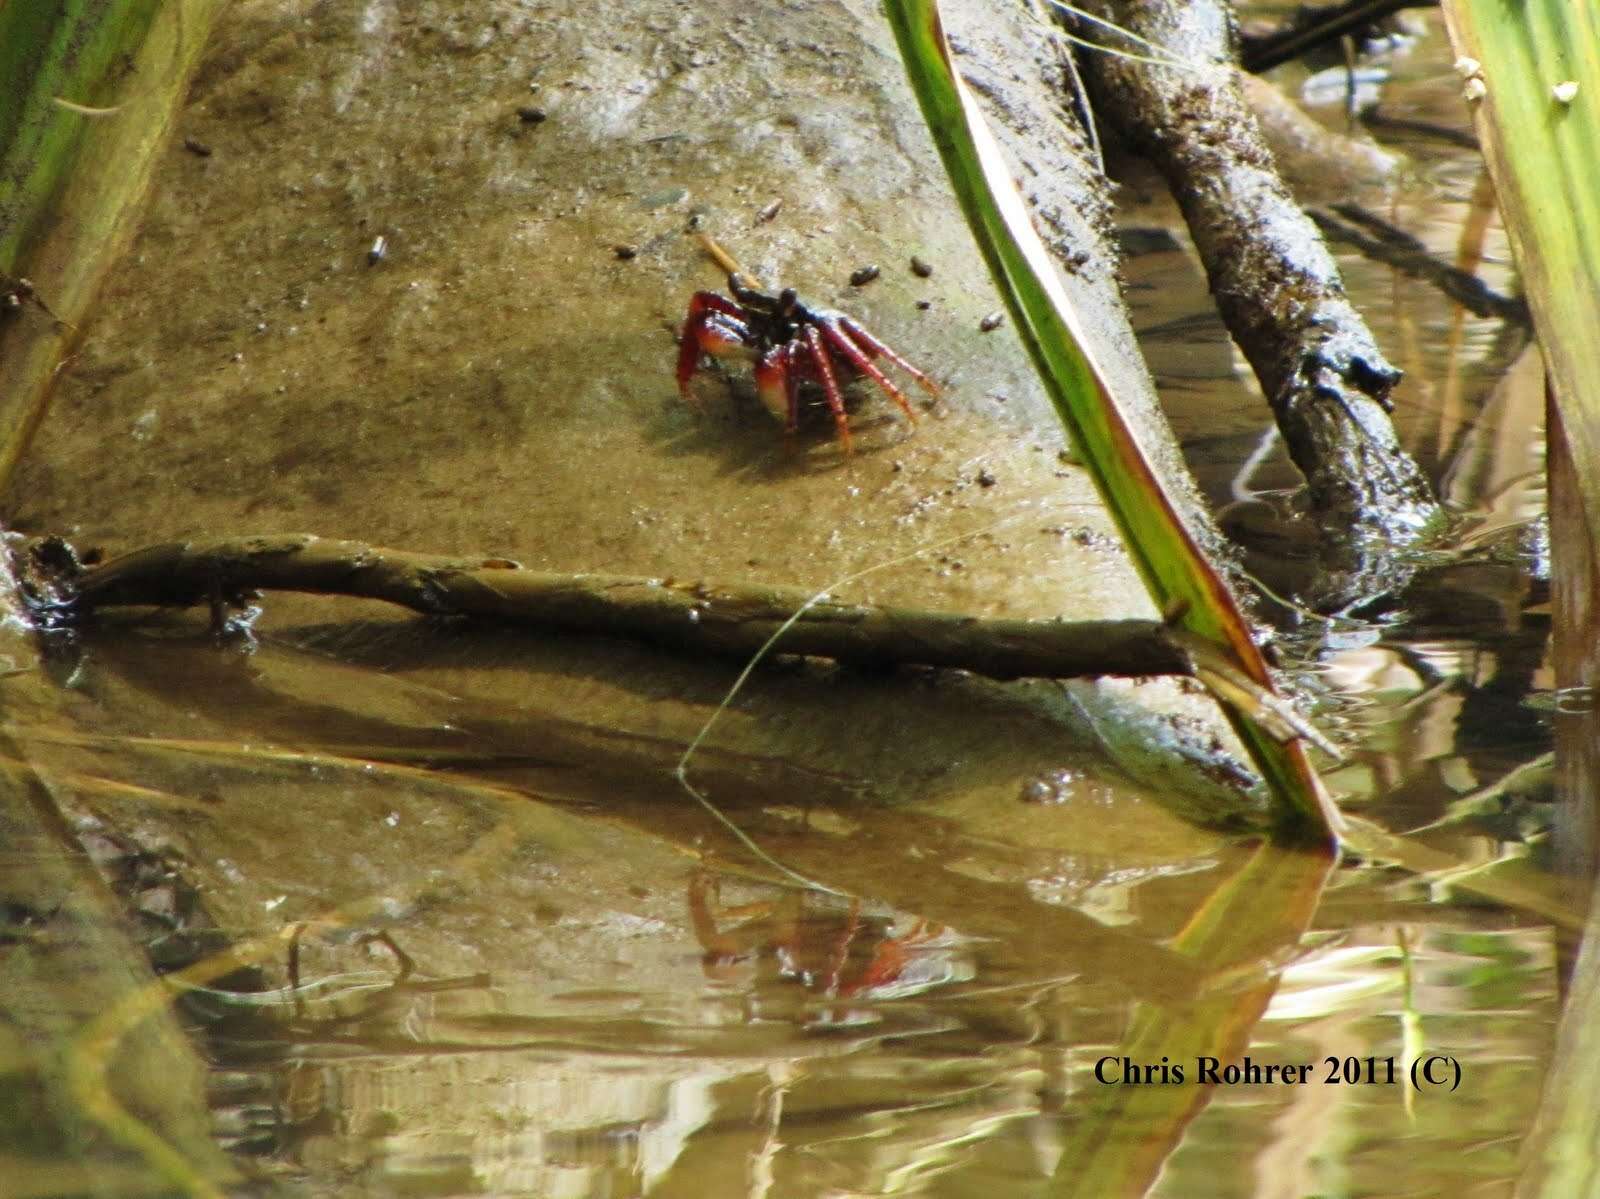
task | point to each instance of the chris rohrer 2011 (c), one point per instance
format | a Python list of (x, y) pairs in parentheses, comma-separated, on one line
[(1351, 1071)]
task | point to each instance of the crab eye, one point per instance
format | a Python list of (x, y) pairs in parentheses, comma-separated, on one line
[(787, 299)]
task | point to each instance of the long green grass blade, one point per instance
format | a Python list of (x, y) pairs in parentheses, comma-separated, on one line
[(72, 50), (1531, 73), (90, 91), (1170, 561)]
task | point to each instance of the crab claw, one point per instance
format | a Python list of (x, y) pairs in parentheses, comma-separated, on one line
[(715, 326), (778, 386)]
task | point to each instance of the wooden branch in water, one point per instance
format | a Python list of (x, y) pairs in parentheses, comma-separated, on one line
[(1275, 283), (735, 620)]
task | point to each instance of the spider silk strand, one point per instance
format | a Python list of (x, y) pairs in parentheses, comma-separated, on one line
[(682, 771)]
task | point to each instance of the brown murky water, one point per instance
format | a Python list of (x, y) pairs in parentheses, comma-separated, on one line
[(432, 903)]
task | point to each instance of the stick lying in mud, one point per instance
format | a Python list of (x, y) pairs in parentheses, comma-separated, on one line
[(734, 620)]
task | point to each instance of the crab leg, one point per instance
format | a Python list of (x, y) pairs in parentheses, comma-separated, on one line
[(791, 359), (834, 333), (875, 348), (830, 385), (840, 956)]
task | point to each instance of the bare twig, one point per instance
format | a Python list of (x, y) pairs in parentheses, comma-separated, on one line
[(1395, 247), (727, 619), (1376, 118), (1311, 28)]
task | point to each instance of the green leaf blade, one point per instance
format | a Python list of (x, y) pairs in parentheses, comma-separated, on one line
[(1175, 571)]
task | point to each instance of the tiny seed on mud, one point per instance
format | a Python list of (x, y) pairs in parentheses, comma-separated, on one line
[(380, 247), (863, 275), (992, 322), (770, 211), (986, 478), (625, 251), (197, 147), (924, 305), (919, 268), (529, 115)]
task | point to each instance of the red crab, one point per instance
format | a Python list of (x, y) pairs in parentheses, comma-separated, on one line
[(792, 343), (846, 955)]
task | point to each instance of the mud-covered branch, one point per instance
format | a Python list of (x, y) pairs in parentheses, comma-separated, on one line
[(726, 619), (1275, 283)]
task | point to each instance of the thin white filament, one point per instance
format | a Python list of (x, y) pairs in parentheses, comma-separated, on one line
[(682, 771), (1158, 57)]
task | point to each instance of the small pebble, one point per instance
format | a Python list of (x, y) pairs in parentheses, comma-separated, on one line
[(992, 322), (986, 478), (770, 211), (624, 251), (924, 305), (380, 247), (530, 115), (920, 268), (863, 275)]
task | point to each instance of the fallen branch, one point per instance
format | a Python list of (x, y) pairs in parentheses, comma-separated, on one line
[(725, 619), (1275, 284)]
